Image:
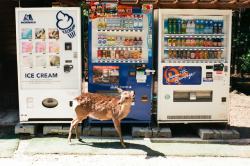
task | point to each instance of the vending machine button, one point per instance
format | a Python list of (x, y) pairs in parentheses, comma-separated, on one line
[(144, 98), (132, 74)]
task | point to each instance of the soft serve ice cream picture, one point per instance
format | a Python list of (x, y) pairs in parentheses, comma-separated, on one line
[(54, 47), (66, 24)]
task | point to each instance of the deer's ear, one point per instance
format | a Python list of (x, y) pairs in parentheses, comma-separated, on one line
[(120, 90)]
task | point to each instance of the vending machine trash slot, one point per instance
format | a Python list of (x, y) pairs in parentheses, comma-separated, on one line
[(193, 96), (50, 103)]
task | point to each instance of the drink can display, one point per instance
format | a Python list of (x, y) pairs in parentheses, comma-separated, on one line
[(192, 55), (206, 43), (135, 54), (174, 42), (130, 56), (210, 43), (99, 40), (108, 54), (197, 42), (179, 26), (104, 55), (202, 55), (169, 42), (121, 54), (112, 54), (219, 54), (201, 42), (210, 55), (219, 43), (178, 54), (174, 26), (170, 54), (188, 43), (197, 54), (183, 42), (104, 40), (99, 53), (192, 42), (126, 54), (184, 55), (179, 42), (206, 55), (117, 54), (174, 54), (188, 54), (215, 43), (140, 54), (183, 27)]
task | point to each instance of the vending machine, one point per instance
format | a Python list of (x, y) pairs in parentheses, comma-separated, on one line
[(193, 65), (49, 63), (120, 55)]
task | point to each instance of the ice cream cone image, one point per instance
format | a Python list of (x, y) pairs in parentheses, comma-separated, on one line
[(66, 24)]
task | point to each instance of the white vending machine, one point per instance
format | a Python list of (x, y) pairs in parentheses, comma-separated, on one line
[(49, 63), (194, 53)]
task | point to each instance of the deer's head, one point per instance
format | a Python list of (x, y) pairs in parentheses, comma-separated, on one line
[(126, 96)]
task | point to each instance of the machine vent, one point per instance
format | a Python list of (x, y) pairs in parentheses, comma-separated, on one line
[(189, 117)]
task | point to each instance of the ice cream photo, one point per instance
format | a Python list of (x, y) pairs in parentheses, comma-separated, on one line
[(54, 47), (40, 61), (40, 33), (40, 47), (26, 33), (66, 24), (54, 60), (53, 33), (27, 47), (27, 61)]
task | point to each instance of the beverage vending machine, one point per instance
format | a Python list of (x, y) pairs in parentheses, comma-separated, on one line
[(193, 65), (120, 55), (49, 63)]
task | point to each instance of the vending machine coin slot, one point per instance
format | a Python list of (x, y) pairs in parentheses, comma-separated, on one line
[(209, 67), (226, 69), (67, 68), (70, 103), (68, 61), (144, 98), (68, 46)]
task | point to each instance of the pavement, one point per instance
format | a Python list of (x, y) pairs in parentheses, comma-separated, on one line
[(54, 150)]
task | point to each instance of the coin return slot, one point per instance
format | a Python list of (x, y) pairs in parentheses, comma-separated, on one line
[(193, 96)]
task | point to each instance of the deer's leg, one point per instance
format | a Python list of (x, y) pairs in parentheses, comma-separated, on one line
[(117, 124), (70, 130)]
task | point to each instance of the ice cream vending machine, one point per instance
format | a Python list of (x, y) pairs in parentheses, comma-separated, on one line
[(120, 55), (193, 65), (49, 63)]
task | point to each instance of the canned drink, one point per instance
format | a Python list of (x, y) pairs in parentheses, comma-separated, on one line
[(108, 54), (174, 42), (121, 54), (219, 54), (192, 55), (206, 43), (188, 54), (99, 54), (206, 55), (192, 41), (179, 42), (178, 54), (215, 43), (126, 54), (188, 42), (174, 54), (197, 54), (202, 55), (112, 53), (215, 55), (210, 55), (183, 42), (201, 42), (170, 54), (130, 55), (104, 55), (169, 42), (184, 55), (197, 42), (135, 54), (117, 54), (140, 54)]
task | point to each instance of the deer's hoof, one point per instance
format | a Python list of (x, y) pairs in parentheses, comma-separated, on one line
[(124, 146)]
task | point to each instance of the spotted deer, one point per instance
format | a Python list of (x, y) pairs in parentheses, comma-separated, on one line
[(102, 107)]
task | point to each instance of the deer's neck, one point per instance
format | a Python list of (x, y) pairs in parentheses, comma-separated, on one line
[(125, 108)]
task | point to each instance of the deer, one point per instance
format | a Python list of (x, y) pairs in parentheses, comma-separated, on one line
[(102, 107)]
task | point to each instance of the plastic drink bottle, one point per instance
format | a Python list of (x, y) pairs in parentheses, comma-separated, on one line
[(170, 26), (136, 22), (179, 26), (174, 26), (140, 24), (206, 27), (215, 27), (192, 28), (197, 26), (201, 26), (188, 28), (183, 27), (211, 26), (165, 26), (220, 27)]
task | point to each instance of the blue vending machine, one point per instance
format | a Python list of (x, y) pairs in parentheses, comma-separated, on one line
[(120, 55)]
